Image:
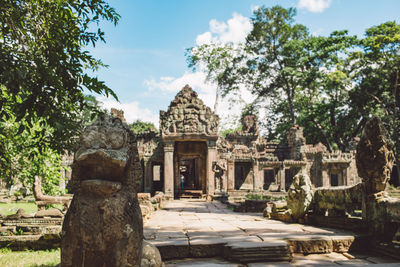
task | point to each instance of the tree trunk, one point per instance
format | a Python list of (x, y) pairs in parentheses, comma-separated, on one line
[(398, 171), (216, 99), (291, 108)]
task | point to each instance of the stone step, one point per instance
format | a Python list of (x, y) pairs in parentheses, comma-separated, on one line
[(276, 250), (189, 193)]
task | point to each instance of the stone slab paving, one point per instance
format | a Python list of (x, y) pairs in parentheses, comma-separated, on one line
[(197, 229)]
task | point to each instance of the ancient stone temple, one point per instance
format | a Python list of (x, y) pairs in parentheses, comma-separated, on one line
[(187, 154)]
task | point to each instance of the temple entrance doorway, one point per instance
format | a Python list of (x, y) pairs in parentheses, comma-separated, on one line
[(190, 168), (188, 174)]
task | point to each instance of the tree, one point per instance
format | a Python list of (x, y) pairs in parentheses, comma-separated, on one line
[(21, 160), (44, 65), (139, 126), (376, 72), (288, 70), (216, 57)]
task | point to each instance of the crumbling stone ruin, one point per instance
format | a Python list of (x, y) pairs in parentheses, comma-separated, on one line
[(103, 226), (375, 160), (118, 113), (336, 206), (375, 147), (188, 146)]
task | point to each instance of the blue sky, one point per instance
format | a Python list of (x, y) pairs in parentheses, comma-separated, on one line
[(145, 51)]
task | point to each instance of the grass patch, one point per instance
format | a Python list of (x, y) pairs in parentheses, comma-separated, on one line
[(11, 208), (42, 258), (30, 207)]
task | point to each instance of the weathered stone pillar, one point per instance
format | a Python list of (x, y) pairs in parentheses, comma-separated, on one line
[(258, 177), (169, 169), (211, 157), (230, 176), (325, 178), (282, 184), (374, 161)]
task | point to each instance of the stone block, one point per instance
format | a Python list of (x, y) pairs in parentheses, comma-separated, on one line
[(206, 247), (310, 244), (172, 249)]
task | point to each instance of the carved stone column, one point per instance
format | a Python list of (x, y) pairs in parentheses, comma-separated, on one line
[(230, 176), (169, 169), (258, 177), (325, 177), (211, 157)]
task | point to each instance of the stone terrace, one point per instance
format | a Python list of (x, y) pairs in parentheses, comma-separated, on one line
[(199, 229)]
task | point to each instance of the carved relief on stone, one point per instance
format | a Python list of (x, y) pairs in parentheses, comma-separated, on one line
[(219, 168), (187, 114), (249, 124), (223, 146), (300, 195), (118, 113)]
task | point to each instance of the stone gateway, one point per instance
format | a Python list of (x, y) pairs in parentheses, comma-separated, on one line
[(103, 226)]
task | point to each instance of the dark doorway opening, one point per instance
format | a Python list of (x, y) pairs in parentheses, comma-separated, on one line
[(190, 168), (242, 173), (188, 174), (288, 178), (269, 178), (334, 179), (394, 176)]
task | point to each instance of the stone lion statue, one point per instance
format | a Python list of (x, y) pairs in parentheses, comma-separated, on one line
[(103, 226)]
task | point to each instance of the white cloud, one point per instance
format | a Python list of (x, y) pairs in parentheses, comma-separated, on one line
[(316, 6), (173, 85), (217, 27), (132, 110), (234, 30), (204, 38)]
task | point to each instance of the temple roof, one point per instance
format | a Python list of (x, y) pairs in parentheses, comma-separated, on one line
[(187, 115)]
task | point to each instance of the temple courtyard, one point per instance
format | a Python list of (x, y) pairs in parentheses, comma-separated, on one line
[(200, 233)]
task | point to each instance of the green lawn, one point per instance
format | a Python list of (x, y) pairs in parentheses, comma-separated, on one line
[(46, 258), (11, 208)]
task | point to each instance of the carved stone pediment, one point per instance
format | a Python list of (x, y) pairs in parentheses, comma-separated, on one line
[(187, 115)]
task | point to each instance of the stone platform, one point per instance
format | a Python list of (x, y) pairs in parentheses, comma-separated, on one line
[(199, 229)]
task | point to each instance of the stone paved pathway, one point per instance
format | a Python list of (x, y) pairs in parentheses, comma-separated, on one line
[(194, 228)]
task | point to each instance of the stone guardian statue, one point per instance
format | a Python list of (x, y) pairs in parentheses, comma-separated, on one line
[(103, 226)]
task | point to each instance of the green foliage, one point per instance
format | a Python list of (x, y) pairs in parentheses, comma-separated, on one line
[(21, 159), (19, 231), (44, 65), (139, 126), (377, 71), (225, 132)]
